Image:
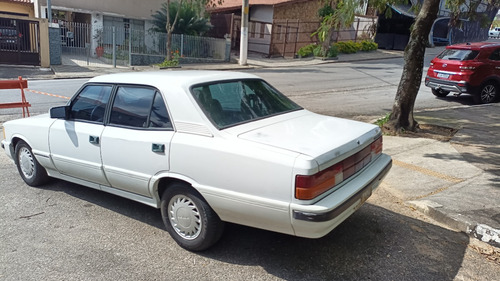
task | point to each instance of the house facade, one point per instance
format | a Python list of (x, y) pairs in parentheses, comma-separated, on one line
[(21, 8)]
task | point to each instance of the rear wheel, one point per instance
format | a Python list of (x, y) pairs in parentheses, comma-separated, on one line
[(30, 170), (440, 93), (189, 219), (487, 94)]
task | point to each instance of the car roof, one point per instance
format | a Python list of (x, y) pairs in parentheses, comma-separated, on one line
[(474, 45), (182, 78)]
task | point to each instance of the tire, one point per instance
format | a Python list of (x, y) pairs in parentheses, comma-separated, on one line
[(30, 170), (487, 94), (189, 219), (440, 93)]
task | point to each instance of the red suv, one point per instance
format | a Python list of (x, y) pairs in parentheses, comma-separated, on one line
[(471, 68)]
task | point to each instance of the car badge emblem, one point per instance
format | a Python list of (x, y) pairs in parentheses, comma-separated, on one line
[(445, 65)]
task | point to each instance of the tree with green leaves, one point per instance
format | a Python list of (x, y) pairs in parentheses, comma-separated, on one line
[(170, 16), (342, 15), (401, 118)]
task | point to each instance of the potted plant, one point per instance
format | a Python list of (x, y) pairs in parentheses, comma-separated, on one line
[(99, 50)]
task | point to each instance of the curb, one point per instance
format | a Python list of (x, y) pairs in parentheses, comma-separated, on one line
[(478, 231)]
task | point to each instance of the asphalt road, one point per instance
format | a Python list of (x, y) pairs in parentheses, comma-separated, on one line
[(64, 231)]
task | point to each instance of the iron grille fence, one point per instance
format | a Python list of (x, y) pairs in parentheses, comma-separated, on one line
[(111, 45)]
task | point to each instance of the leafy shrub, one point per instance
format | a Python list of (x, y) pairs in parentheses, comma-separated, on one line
[(348, 47), (333, 51), (367, 45), (306, 50), (330, 53)]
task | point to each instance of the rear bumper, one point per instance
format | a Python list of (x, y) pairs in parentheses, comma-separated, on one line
[(460, 87), (314, 221)]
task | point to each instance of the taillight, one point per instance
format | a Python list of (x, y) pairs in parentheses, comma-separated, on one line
[(309, 187)]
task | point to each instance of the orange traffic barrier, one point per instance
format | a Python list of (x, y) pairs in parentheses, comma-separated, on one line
[(16, 84)]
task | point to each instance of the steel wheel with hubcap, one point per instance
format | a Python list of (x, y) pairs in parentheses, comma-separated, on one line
[(189, 219), (487, 94), (30, 170)]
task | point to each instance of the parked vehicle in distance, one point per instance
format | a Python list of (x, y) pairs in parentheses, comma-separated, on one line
[(494, 32), (205, 148), (470, 68)]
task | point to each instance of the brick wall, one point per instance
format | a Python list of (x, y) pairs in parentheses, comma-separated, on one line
[(302, 10)]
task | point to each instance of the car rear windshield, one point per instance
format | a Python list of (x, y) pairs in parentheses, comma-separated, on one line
[(457, 54), (229, 103)]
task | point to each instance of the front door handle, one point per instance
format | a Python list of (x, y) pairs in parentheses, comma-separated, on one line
[(94, 139), (158, 147)]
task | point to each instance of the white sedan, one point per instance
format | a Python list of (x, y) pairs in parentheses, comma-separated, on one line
[(205, 148)]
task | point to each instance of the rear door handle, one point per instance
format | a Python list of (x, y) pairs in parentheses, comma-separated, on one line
[(94, 139), (158, 147)]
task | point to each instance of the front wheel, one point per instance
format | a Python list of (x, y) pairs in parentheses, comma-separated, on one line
[(487, 94), (30, 170), (440, 93), (189, 219)]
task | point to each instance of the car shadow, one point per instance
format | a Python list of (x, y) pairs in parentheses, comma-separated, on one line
[(374, 243)]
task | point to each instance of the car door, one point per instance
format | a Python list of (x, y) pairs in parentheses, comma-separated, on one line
[(495, 61), (75, 143), (136, 141)]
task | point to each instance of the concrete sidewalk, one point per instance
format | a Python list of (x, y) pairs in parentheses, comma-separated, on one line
[(456, 182)]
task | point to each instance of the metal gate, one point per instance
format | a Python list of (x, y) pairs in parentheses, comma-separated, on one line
[(19, 42)]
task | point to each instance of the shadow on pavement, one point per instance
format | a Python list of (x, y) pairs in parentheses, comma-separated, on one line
[(374, 243)]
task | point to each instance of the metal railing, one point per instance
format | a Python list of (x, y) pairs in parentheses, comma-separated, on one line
[(110, 45)]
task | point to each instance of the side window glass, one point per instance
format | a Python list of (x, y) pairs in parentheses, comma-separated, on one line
[(495, 55), (90, 104), (131, 106), (159, 115)]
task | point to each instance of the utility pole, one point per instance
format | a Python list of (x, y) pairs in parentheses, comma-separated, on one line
[(49, 11), (244, 33)]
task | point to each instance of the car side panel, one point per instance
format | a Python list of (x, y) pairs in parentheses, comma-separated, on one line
[(73, 153), (34, 131), (129, 160), (243, 182)]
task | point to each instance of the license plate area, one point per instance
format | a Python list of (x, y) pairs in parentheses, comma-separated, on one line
[(443, 75)]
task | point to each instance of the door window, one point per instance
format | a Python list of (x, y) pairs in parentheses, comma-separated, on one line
[(90, 104), (139, 107)]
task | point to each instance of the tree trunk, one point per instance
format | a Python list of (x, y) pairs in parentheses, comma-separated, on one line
[(402, 111), (170, 28)]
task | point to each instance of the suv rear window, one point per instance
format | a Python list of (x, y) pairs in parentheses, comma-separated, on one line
[(457, 54)]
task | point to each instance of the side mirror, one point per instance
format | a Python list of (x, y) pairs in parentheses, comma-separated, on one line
[(60, 112)]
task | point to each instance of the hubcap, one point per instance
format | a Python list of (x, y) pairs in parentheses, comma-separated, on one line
[(26, 162), (184, 217), (488, 94)]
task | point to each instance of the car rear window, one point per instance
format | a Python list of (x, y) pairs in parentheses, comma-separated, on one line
[(457, 54), (228, 103)]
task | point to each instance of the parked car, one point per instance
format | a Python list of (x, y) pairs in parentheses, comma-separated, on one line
[(205, 148), (494, 32), (470, 68)]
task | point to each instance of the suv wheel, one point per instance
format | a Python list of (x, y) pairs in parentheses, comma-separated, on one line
[(440, 93), (487, 94)]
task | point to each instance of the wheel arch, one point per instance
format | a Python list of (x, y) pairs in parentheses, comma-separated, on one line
[(13, 143), (167, 181)]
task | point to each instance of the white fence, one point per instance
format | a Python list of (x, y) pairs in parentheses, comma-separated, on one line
[(127, 47)]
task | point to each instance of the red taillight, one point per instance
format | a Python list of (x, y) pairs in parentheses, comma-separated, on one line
[(308, 187)]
